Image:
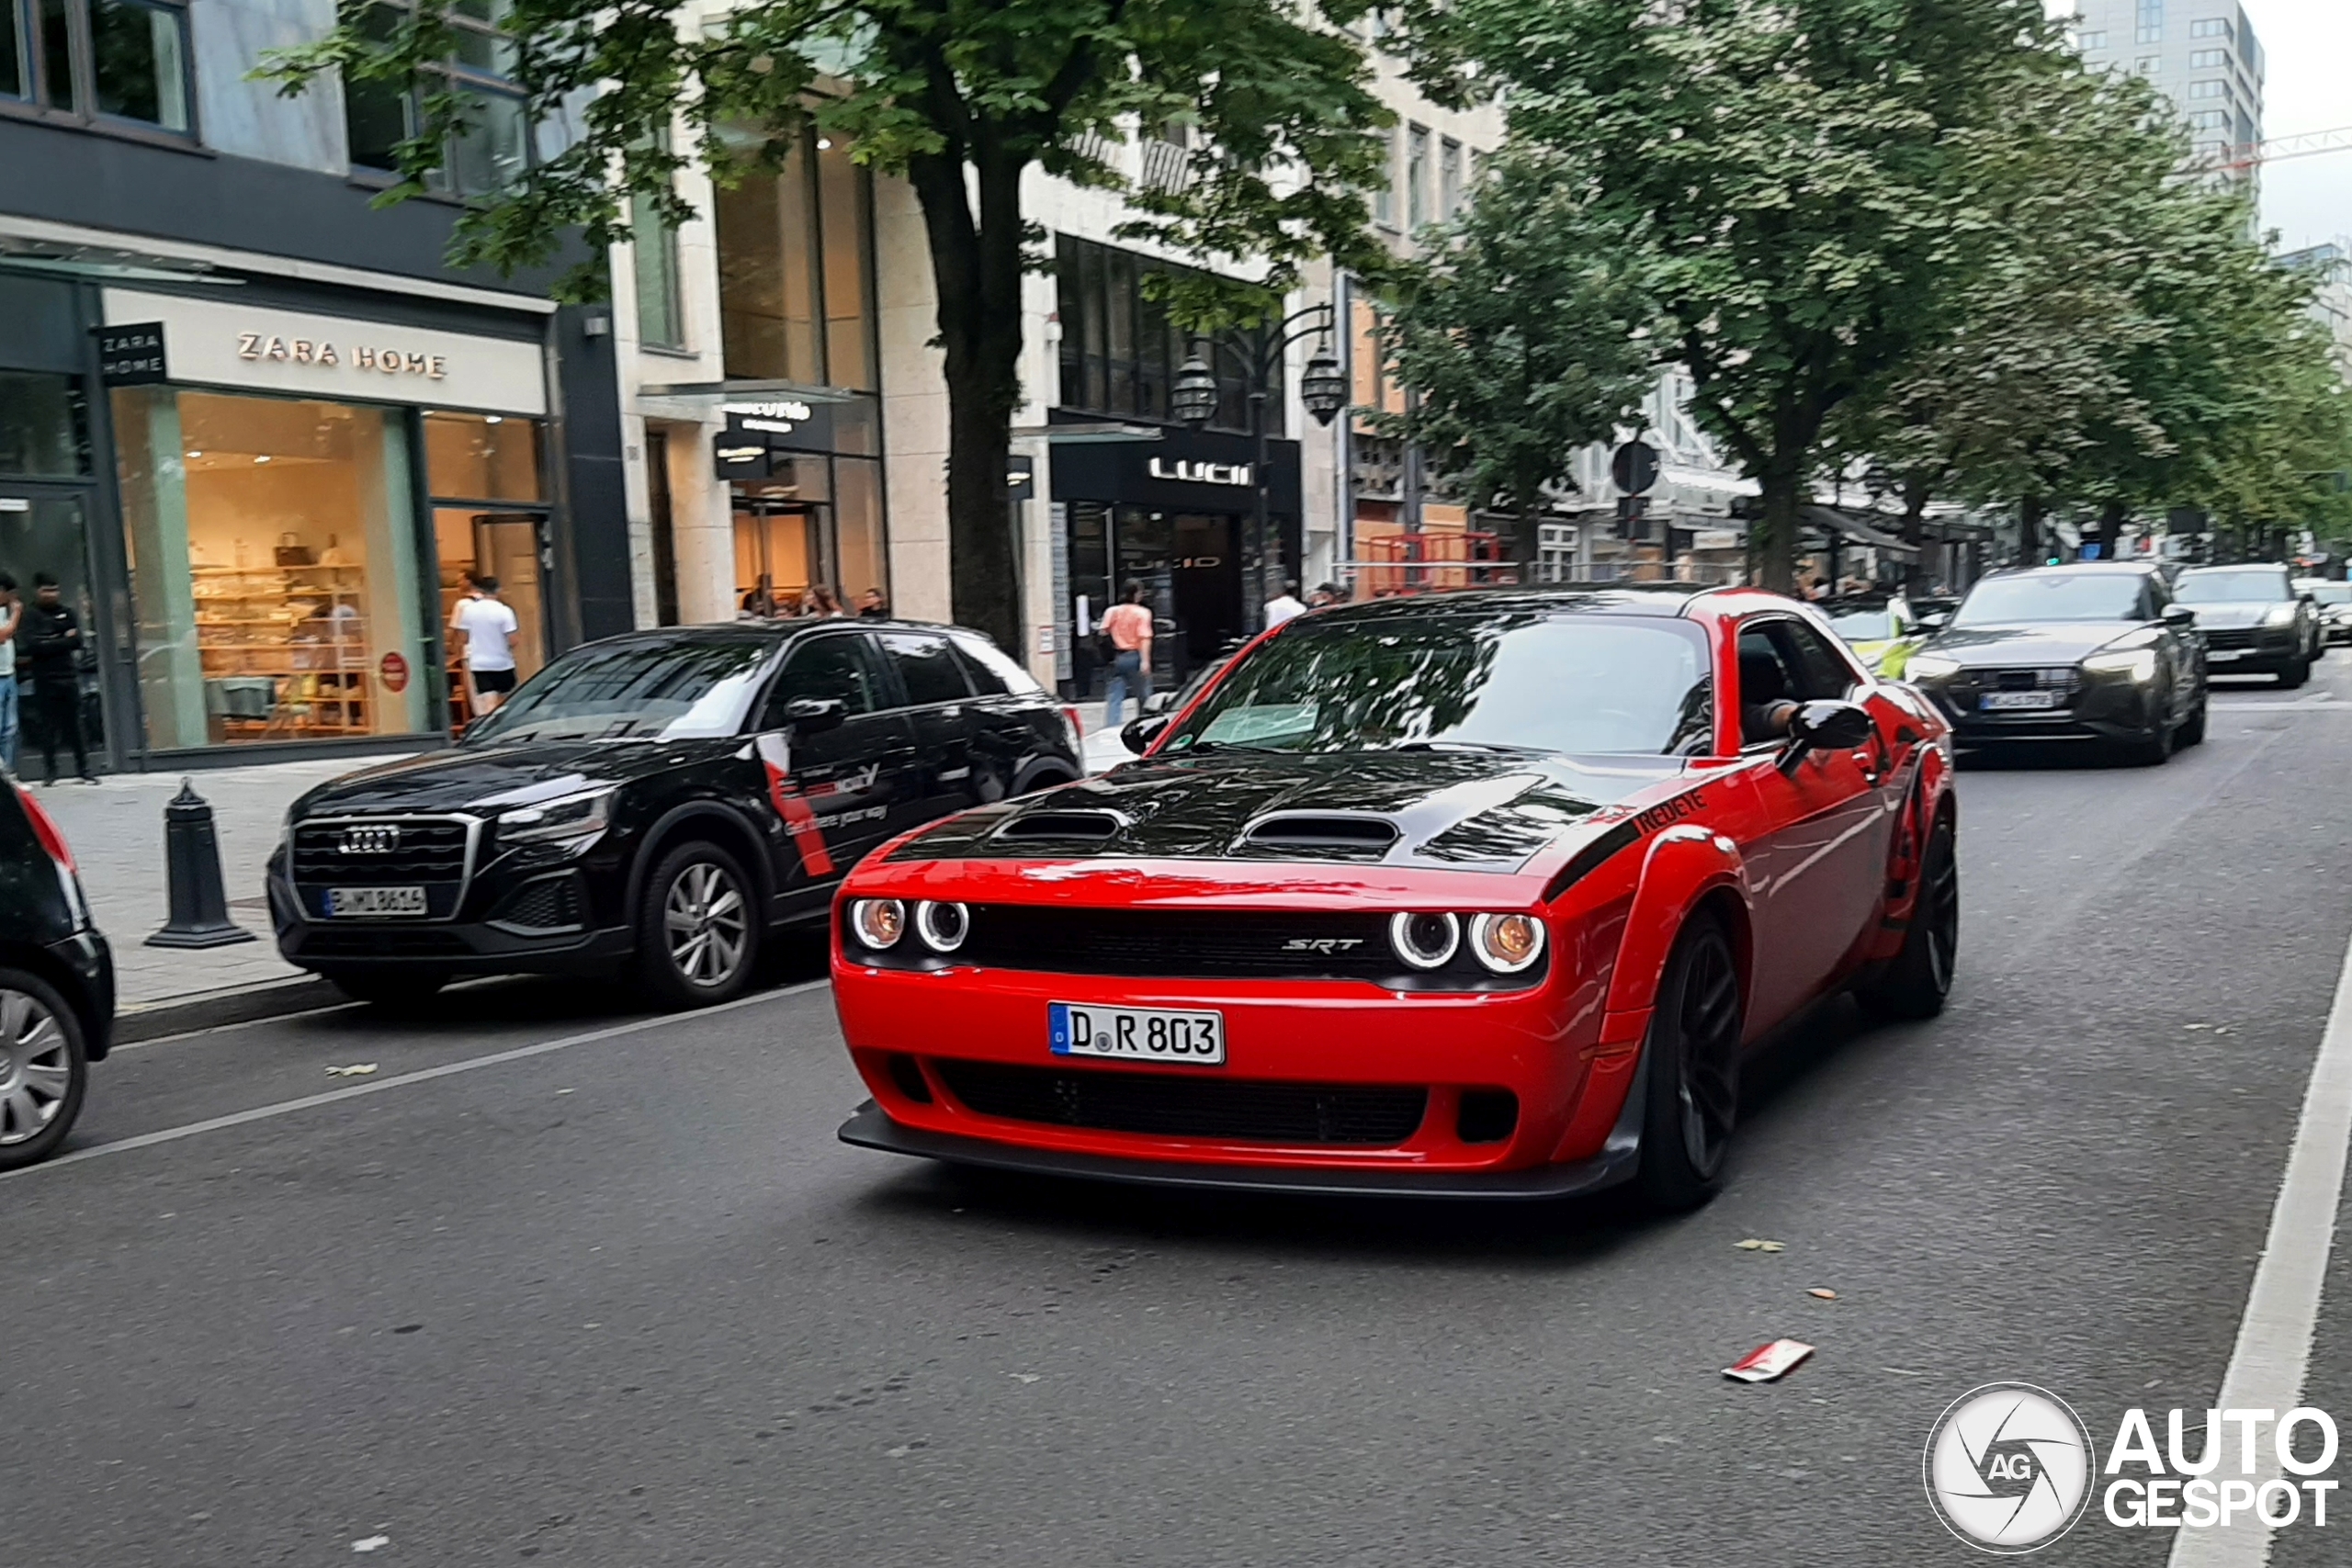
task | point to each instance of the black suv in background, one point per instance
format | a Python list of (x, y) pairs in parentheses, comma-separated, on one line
[(56, 984), (2255, 621), (661, 799)]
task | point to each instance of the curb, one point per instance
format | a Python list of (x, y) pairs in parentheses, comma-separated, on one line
[(210, 1010)]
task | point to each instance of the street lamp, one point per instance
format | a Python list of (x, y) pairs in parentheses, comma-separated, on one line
[(1323, 388)]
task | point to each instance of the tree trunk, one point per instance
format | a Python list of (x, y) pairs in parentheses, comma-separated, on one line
[(976, 266), (1914, 532), (2029, 514), (1776, 549)]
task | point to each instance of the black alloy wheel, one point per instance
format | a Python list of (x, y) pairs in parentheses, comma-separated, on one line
[(44, 1069), (1693, 1070), (1915, 984), (698, 927)]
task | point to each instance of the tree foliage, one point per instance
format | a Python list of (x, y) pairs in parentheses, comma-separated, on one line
[(1525, 337), (960, 98)]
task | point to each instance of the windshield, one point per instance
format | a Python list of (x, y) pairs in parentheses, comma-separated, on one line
[(1614, 684), (1862, 626), (2330, 592), (2266, 584), (632, 691), (2052, 596)]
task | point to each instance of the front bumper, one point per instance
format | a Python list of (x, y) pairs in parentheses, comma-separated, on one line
[(929, 1043), (90, 961), (491, 942), (2098, 711)]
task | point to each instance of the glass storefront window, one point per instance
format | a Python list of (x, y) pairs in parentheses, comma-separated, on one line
[(44, 426), (861, 557), (274, 567), (795, 253), (476, 457), (483, 456)]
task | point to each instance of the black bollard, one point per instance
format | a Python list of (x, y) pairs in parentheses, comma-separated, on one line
[(192, 857)]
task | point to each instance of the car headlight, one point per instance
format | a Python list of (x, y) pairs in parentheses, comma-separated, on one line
[(1931, 667), (878, 923), (565, 819), (1505, 944), (1425, 940), (2140, 663), (2279, 615), (943, 927)]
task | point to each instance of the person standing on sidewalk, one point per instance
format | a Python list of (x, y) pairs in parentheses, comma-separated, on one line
[(11, 616), (53, 655), (1127, 624), (1284, 606), (490, 632)]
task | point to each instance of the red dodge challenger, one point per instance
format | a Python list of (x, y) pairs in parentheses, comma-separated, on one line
[(1475, 895)]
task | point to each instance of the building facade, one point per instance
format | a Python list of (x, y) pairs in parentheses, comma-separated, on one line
[(259, 430), (2202, 54)]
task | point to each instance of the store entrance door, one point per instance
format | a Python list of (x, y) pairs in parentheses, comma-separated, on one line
[(45, 530), (780, 553), (512, 548), (1205, 580)]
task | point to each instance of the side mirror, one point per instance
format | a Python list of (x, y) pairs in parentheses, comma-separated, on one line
[(1155, 703), (1140, 733), (1934, 620), (1824, 726), (812, 715), (2179, 616)]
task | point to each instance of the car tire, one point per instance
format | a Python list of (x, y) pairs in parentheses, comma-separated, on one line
[(2155, 750), (2296, 672), (698, 927), (44, 1069), (1915, 985), (2192, 728), (387, 987), (1692, 1078)]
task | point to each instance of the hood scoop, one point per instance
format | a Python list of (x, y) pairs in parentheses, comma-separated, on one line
[(1090, 824), (1322, 831)]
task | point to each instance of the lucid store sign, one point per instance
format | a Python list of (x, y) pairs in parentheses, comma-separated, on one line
[(1187, 470)]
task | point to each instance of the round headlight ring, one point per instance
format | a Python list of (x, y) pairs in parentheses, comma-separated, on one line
[(1507, 944), (1425, 939), (942, 926), (878, 923)]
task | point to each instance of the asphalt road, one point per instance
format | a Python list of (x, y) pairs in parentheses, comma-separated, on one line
[(607, 1292)]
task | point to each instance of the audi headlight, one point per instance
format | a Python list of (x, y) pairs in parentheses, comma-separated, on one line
[(570, 818), (1505, 944), (1931, 667), (2279, 615), (1425, 940), (2140, 663), (878, 923), (943, 927)]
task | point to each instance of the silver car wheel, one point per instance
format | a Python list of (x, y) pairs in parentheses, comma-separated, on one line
[(707, 924), (35, 1068)]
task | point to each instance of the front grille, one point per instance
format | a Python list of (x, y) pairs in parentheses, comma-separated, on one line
[(428, 850), (1169, 1105), (381, 941), (2233, 637), (2058, 680), (1189, 944)]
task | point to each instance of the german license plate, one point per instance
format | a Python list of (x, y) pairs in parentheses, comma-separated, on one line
[(1998, 702), (1137, 1034), (2223, 656), (374, 900)]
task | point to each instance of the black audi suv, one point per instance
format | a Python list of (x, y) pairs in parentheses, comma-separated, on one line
[(56, 984), (2094, 651), (658, 801)]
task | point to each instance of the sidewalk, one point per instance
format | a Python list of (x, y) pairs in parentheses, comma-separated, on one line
[(116, 831)]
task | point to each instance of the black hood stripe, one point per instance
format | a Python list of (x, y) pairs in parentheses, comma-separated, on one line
[(1590, 858)]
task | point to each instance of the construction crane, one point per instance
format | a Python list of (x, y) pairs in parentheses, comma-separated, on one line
[(2254, 154)]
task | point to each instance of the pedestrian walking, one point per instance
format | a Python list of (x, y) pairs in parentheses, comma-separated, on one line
[(12, 615), (51, 651), (1284, 606), (1126, 627), (491, 631)]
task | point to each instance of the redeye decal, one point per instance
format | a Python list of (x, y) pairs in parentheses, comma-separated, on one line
[(1666, 814)]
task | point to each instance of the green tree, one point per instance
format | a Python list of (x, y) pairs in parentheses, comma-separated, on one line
[(1789, 171), (1525, 337), (962, 98)]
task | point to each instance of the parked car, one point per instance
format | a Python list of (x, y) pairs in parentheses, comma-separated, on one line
[(1878, 627), (658, 803), (1472, 895), (2333, 601), (2253, 621), (2091, 652), (56, 984)]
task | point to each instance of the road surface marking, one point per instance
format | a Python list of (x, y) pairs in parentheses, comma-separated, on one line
[(2274, 1347), (448, 1069)]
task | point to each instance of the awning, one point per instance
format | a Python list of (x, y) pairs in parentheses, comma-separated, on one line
[(1858, 529)]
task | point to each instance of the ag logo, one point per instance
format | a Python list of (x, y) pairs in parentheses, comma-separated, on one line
[(2008, 1467)]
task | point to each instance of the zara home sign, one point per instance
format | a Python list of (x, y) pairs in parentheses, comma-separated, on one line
[(227, 343)]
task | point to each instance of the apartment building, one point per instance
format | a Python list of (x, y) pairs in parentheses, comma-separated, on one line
[(2202, 54)]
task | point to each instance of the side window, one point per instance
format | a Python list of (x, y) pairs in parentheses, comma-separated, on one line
[(926, 668), (1764, 679), (835, 666), (1821, 674), (990, 672)]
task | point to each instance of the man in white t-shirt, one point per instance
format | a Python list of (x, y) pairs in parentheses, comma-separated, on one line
[(490, 632), (1284, 606)]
